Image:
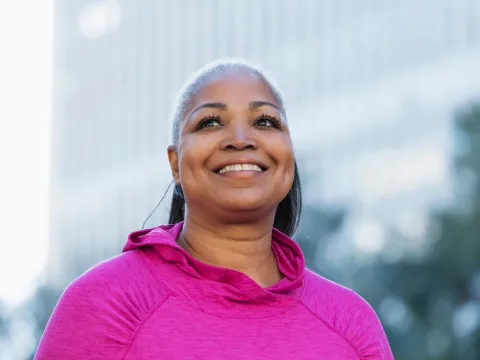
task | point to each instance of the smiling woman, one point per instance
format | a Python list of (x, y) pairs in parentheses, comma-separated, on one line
[(224, 279), (208, 103)]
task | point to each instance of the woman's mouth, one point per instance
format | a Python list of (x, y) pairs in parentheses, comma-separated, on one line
[(244, 170), (240, 167)]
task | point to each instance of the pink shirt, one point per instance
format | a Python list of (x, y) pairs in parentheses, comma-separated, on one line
[(155, 301)]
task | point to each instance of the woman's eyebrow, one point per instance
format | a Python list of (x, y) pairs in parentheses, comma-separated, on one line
[(211, 105), (252, 105)]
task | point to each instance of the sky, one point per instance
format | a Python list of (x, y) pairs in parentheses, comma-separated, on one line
[(26, 38)]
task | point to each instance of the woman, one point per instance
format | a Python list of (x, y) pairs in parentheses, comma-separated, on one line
[(224, 280)]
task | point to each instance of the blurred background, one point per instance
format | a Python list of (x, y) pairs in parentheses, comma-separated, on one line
[(383, 99)]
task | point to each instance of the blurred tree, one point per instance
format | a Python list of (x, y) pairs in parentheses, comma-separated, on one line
[(317, 224), (40, 307), (5, 320), (439, 294), (316, 227)]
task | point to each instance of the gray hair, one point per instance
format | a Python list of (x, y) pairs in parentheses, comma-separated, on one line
[(192, 86)]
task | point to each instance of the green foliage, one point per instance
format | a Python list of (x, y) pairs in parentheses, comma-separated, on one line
[(439, 289), (436, 292), (4, 321)]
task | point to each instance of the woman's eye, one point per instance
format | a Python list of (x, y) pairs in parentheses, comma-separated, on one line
[(268, 121), (208, 122)]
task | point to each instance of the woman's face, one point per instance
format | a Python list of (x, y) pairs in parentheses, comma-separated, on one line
[(235, 153)]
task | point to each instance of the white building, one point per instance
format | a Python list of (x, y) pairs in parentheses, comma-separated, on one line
[(369, 88)]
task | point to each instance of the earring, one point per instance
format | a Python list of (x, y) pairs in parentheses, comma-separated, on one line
[(176, 179)]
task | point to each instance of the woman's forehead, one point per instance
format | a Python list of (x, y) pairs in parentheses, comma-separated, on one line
[(233, 86)]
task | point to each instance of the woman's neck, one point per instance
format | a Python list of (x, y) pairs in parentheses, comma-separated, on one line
[(246, 248)]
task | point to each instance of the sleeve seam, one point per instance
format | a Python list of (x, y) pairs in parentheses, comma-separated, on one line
[(333, 330), (144, 320)]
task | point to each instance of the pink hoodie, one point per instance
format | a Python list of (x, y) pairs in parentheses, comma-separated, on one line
[(155, 301)]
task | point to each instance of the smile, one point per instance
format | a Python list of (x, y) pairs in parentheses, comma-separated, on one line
[(240, 167)]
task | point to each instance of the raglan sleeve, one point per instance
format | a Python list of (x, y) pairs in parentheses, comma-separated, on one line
[(90, 321), (365, 331)]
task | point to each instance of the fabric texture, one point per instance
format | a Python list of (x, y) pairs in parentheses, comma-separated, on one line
[(155, 301)]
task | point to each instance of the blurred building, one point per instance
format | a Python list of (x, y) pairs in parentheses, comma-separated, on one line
[(369, 85)]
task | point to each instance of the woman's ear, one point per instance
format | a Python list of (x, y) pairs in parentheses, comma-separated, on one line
[(173, 160)]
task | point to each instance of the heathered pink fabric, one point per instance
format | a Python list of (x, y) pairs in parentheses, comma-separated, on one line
[(155, 301)]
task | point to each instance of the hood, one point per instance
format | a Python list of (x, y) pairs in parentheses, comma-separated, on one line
[(216, 285)]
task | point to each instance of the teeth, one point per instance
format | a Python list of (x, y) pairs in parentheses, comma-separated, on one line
[(240, 167)]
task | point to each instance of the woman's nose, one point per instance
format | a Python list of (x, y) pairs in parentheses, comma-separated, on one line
[(239, 137)]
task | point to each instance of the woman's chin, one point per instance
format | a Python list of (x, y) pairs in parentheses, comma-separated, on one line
[(245, 204)]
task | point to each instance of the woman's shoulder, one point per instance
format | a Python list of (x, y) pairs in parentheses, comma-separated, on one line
[(100, 311), (320, 290), (127, 272), (346, 313), (122, 285)]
